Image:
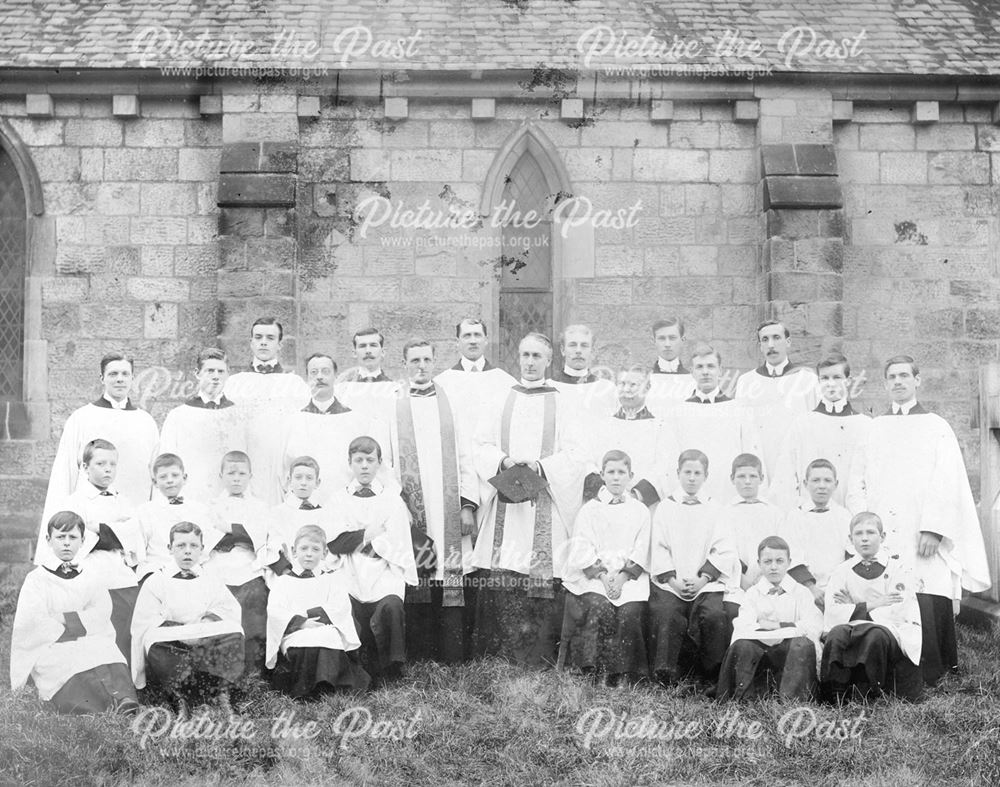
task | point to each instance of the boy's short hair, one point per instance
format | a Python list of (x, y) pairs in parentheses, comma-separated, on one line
[(211, 354), (185, 527), (268, 321), (901, 359), (769, 323), (236, 456), (774, 542), (64, 522), (702, 348), (311, 532), (415, 342), (693, 455), (167, 460), (834, 359), (866, 516), (97, 444), (614, 455), (669, 322), (747, 460), (818, 464), (116, 355), (369, 332), (469, 321), (364, 445), (304, 461), (314, 356)]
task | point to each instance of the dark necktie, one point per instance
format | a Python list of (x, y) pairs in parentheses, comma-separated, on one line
[(364, 491), (176, 501), (818, 510), (306, 574), (106, 493), (616, 500), (68, 570), (184, 573), (210, 405), (305, 505)]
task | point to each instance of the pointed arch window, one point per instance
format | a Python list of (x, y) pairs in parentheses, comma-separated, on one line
[(13, 270)]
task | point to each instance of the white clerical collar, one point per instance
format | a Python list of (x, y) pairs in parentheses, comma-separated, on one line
[(575, 372), (122, 405), (711, 396), (533, 383), (376, 486), (364, 374), (905, 407), (776, 371), (835, 407), (294, 501), (421, 386), (91, 490), (216, 401), (787, 584), (670, 367), (324, 406), (473, 366)]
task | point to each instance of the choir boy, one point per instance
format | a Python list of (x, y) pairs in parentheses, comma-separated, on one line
[(311, 640), (607, 581), (298, 510), (62, 637), (872, 620), (372, 540), (776, 632), (693, 561), (186, 634)]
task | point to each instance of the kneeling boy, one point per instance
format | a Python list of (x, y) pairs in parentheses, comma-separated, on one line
[(311, 640), (186, 633), (777, 630), (63, 638)]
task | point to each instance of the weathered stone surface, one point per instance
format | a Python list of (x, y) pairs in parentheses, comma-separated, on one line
[(256, 190), (801, 192)]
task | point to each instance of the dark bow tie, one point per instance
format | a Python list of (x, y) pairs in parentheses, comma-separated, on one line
[(748, 502), (68, 570), (265, 369), (175, 501), (238, 495), (365, 491), (818, 510), (776, 591), (691, 501), (616, 500), (184, 573), (105, 493), (210, 405), (306, 574), (305, 505)]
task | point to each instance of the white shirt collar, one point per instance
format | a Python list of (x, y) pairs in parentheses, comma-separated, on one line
[(905, 407), (533, 383), (269, 364), (479, 365), (116, 405), (217, 400), (324, 406), (711, 396), (777, 370), (575, 372), (292, 501), (834, 407), (670, 367), (787, 584), (376, 486), (364, 374), (196, 569), (92, 491), (422, 386)]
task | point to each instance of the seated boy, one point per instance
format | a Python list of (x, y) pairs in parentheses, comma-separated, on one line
[(62, 637), (372, 538), (311, 640), (777, 630), (753, 519), (242, 518), (167, 508), (110, 517), (298, 510), (607, 582), (186, 633), (872, 621), (693, 561), (815, 530)]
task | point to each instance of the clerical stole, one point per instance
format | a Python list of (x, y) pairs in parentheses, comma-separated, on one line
[(413, 496), (540, 572)]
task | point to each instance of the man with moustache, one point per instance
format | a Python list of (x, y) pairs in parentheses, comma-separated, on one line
[(370, 388), (589, 392), (205, 428)]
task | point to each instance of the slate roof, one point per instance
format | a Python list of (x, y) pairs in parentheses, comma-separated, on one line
[(948, 37)]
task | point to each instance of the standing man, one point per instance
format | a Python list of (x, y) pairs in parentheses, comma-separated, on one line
[(711, 422), (371, 389), (473, 379), (433, 464), (910, 472), (588, 391), (265, 396), (777, 391), (110, 417), (671, 382), (324, 429), (530, 426), (205, 428)]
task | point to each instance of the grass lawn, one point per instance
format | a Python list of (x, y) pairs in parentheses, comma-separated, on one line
[(487, 722)]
